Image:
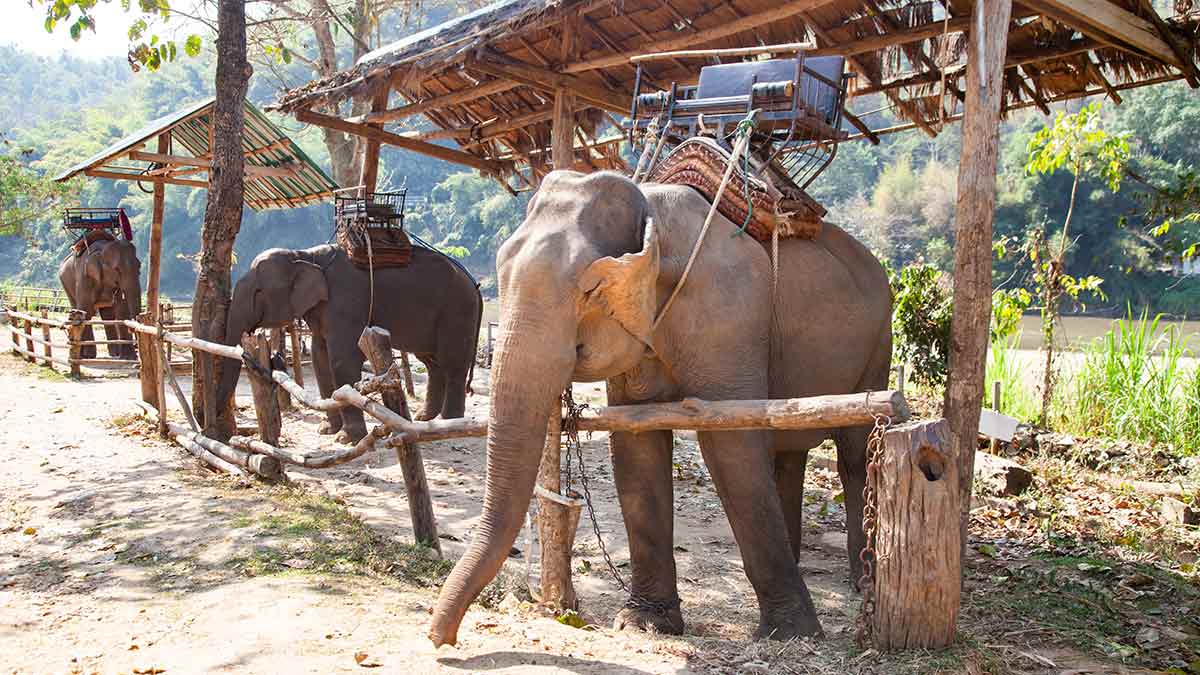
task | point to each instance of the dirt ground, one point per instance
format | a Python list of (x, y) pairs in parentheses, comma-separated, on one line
[(119, 554)]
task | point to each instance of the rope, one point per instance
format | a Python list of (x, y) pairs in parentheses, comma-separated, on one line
[(651, 132), (371, 272), (743, 142), (746, 126)]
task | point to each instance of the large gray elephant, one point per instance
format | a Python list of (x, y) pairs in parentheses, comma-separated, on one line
[(105, 278), (432, 308), (581, 282)]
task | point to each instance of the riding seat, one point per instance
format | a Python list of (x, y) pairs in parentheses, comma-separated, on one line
[(378, 247)]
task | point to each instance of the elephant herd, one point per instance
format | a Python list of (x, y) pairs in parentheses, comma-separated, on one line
[(582, 283)]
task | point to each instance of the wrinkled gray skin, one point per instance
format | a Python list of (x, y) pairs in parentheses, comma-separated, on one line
[(431, 307), (580, 284), (105, 279)]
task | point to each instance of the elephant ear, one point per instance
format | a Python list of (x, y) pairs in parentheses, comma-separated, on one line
[(624, 287), (308, 287)]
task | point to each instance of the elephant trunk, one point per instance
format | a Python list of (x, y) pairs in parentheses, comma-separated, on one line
[(528, 378), (131, 288)]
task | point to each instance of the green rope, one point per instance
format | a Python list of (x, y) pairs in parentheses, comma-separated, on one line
[(745, 127)]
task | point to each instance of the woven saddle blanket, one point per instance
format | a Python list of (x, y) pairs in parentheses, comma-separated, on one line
[(90, 238), (387, 247), (774, 202)]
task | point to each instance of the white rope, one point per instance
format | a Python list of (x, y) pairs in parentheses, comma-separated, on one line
[(651, 133), (557, 498), (370, 271), (742, 143)]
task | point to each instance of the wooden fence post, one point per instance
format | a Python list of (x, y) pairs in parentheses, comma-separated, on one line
[(917, 534), (29, 355), (266, 404), (148, 361), (279, 345), (376, 344), (555, 531), (46, 340), (74, 336)]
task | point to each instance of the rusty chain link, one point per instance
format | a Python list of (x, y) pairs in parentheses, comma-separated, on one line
[(868, 556)]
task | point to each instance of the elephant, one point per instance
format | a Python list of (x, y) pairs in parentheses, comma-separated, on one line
[(432, 307), (581, 283), (105, 277)]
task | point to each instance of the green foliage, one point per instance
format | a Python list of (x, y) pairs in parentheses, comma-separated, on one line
[(146, 49), (1004, 366), (1007, 308), (26, 196), (921, 322), (1134, 385), (1079, 144)]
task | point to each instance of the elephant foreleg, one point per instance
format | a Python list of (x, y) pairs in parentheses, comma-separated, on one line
[(111, 333), (324, 373), (87, 351), (347, 369), (789, 481), (744, 475), (642, 471)]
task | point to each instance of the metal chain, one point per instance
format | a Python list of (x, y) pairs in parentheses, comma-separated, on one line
[(570, 429), (868, 556)]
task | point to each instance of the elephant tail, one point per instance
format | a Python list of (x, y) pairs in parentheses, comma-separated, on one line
[(478, 326)]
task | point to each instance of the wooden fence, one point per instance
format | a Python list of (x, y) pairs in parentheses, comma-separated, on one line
[(34, 299)]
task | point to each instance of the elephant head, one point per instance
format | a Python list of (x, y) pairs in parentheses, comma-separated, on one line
[(280, 286), (578, 296), (109, 268)]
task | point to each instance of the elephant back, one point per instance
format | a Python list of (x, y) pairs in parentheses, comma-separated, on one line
[(93, 236)]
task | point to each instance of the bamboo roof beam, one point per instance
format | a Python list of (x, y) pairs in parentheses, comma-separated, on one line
[(746, 23), (179, 160), (1099, 75), (448, 154), (857, 123), (548, 80), (143, 178), (454, 98), (1033, 94)]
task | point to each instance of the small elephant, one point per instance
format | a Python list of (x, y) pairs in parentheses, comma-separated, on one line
[(432, 307), (105, 277), (581, 284)]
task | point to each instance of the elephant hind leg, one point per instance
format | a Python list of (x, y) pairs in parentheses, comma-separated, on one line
[(789, 481), (852, 469), (454, 403), (435, 391)]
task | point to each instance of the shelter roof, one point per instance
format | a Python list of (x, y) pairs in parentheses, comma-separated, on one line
[(486, 79), (278, 172)]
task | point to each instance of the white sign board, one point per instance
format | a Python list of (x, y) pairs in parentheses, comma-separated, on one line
[(994, 425)]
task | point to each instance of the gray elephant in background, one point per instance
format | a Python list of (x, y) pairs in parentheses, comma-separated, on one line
[(105, 278), (431, 307), (581, 282)]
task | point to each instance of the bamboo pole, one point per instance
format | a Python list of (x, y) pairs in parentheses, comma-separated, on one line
[(555, 534), (408, 378), (74, 332), (260, 465), (266, 403), (46, 345), (30, 355), (297, 353)]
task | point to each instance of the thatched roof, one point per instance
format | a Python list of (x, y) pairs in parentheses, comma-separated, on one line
[(486, 79)]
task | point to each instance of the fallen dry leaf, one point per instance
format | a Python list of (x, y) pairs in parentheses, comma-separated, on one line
[(29, 531), (365, 660), (151, 670)]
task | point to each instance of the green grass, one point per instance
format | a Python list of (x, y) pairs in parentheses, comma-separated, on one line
[(1004, 366), (1133, 385)]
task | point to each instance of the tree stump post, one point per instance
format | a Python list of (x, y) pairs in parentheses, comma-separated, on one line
[(376, 344), (148, 365), (556, 522), (30, 354), (74, 337), (917, 573), (266, 404), (408, 381), (46, 340)]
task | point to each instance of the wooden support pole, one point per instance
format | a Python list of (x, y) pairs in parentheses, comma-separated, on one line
[(297, 353), (148, 370), (562, 134), (376, 344), (917, 575), (46, 340), (266, 404), (29, 353), (554, 532), (160, 391), (370, 167), (987, 45), (278, 346), (156, 230), (408, 378)]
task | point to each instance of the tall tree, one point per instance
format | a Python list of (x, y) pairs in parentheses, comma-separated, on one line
[(223, 214)]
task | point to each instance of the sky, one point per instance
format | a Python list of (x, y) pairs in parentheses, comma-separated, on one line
[(22, 26)]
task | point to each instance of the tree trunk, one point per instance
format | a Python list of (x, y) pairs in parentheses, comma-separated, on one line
[(223, 215), (988, 41)]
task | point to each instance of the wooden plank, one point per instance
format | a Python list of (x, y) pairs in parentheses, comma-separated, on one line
[(976, 205), (142, 178), (749, 22), (548, 81), (205, 163), (448, 154), (467, 95), (1107, 18)]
